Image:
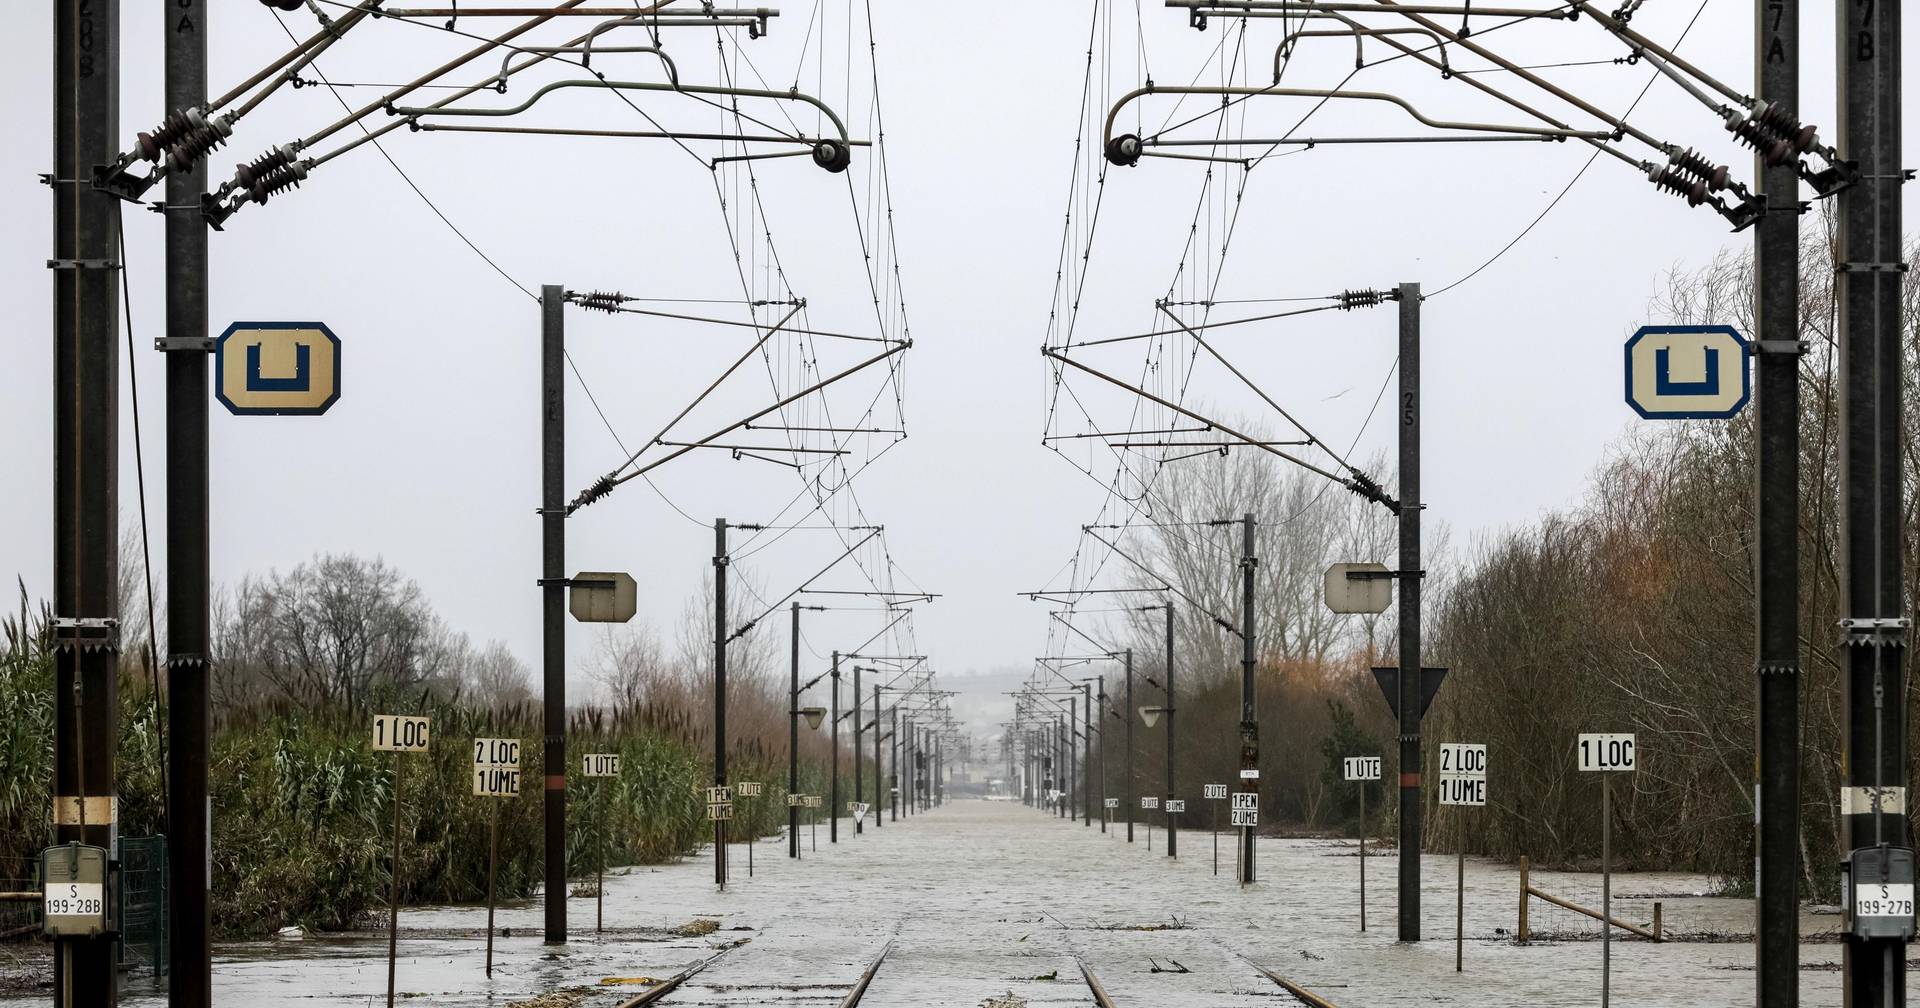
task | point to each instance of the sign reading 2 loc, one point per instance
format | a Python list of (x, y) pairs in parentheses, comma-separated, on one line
[(400, 733), (277, 368), (1687, 372), (1603, 751)]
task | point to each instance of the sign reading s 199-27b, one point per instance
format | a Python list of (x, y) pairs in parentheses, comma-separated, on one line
[(277, 368), (1687, 372)]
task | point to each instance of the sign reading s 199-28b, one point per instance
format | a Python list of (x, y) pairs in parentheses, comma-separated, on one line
[(277, 368), (1687, 372)]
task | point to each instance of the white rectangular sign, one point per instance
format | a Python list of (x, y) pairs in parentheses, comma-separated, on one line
[(1463, 789), (1466, 758), (600, 765), (813, 801), (84, 899), (1246, 817), (1246, 801), (1869, 900), (719, 795), (400, 733), (747, 789), (1149, 803), (1604, 751), (796, 801), (1361, 768), (1111, 803), (496, 752), (1249, 775), (717, 811), (490, 781), (1216, 790), (1176, 804)]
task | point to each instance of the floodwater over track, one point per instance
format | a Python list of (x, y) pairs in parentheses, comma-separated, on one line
[(995, 904)]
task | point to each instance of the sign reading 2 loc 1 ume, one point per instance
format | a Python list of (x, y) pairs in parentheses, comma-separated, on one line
[(277, 368)]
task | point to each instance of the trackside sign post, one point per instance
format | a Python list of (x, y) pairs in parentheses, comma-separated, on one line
[(399, 734), (1362, 770), (1215, 794), (1463, 781), (1606, 753), (600, 765), (496, 774)]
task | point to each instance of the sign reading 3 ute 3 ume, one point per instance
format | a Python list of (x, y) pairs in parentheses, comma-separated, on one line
[(1687, 372), (277, 368)]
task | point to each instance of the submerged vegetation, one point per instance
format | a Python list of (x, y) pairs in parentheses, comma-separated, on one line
[(303, 806)]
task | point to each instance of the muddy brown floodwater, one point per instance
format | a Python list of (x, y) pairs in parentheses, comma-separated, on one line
[(995, 904)]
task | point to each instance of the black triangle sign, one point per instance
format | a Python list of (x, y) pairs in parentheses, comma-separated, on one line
[(1389, 680)]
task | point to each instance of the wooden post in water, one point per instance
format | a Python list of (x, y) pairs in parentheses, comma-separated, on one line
[(393, 900), (1520, 934)]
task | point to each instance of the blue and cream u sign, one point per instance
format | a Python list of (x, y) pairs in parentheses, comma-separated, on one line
[(277, 368), (1687, 372)]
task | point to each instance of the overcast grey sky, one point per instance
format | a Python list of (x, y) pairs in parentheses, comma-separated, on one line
[(430, 457)]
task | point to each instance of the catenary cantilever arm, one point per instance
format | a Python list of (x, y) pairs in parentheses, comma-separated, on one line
[(534, 98), (1380, 96)]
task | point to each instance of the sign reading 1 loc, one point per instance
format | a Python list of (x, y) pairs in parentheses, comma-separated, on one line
[(277, 368), (400, 733), (1605, 751), (1687, 372)]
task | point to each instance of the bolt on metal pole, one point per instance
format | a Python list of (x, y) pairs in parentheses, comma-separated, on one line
[(1411, 675), (1776, 310), (86, 396), (189, 572), (793, 739), (553, 604), (1173, 827), (1868, 289), (1249, 718), (720, 562)]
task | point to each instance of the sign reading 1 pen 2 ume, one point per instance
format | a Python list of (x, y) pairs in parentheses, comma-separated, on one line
[(277, 368)]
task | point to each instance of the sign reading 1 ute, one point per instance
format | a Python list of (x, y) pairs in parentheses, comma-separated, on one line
[(1687, 372), (277, 368)]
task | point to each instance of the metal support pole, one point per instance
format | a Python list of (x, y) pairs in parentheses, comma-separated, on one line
[(1249, 718), (1173, 788), (1410, 569), (793, 739), (1076, 788), (1363, 856), (86, 395), (720, 563), (1086, 748), (1102, 696), (858, 788), (1776, 310), (893, 789), (1131, 799), (879, 800), (553, 602), (1875, 630), (189, 575), (1606, 889), (833, 784)]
